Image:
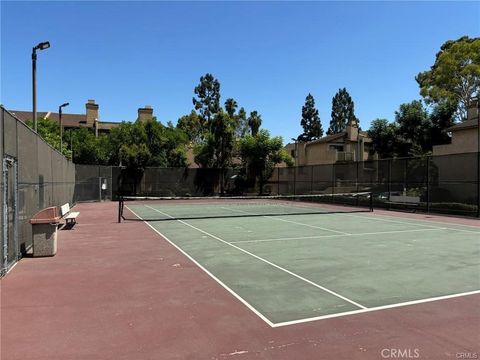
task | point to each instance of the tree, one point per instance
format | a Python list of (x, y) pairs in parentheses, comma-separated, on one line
[(135, 156), (384, 137), (191, 126), (207, 101), (414, 128), (230, 107), (312, 127), (217, 151), (175, 145), (87, 148), (342, 112), (455, 75), (442, 117), (49, 130), (125, 135), (254, 122), (164, 145), (242, 123), (260, 153)]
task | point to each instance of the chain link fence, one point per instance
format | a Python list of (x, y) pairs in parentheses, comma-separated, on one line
[(34, 176), (446, 184)]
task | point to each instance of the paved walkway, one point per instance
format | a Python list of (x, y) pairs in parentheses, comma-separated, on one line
[(118, 291)]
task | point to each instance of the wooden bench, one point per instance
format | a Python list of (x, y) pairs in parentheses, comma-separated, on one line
[(70, 217)]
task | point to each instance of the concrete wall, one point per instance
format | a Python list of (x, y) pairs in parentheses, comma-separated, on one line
[(463, 141), (319, 153)]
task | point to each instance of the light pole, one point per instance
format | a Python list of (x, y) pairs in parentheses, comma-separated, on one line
[(41, 46), (61, 125)]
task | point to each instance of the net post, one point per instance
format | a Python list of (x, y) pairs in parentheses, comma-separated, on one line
[(120, 208), (371, 202)]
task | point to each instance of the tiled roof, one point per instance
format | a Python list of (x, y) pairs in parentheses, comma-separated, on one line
[(73, 120), (472, 123), (328, 138), (104, 125), (68, 120)]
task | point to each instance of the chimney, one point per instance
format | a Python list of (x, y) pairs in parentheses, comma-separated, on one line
[(91, 112), (472, 112), (352, 129), (145, 113)]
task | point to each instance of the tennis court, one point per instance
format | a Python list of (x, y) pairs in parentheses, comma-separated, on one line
[(297, 261)]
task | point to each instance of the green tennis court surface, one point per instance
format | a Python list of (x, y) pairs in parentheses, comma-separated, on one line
[(296, 268)]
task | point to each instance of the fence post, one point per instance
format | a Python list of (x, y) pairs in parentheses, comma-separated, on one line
[(311, 179), (278, 181), (356, 184), (294, 180), (389, 182), (478, 170), (333, 180), (428, 184)]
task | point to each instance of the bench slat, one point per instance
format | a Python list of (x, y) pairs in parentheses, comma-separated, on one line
[(72, 215)]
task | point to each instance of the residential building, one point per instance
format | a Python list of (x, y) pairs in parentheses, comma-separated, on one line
[(464, 135), (349, 145), (91, 118)]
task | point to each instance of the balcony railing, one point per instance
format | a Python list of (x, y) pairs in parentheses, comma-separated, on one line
[(345, 156)]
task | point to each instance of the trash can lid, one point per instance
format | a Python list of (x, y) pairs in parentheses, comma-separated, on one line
[(46, 216)]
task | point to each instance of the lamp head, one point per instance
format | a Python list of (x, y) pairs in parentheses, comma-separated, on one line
[(43, 45), (65, 104)]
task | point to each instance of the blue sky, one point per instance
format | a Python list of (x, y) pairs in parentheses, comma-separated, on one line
[(267, 55)]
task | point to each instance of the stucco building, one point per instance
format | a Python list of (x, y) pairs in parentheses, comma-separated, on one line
[(91, 118), (464, 135), (349, 145)]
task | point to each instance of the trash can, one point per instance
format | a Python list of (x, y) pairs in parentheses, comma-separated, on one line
[(44, 231)]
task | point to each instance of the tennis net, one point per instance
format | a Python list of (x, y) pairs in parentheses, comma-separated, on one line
[(185, 208)]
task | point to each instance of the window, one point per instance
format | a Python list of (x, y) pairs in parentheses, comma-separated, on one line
[(338, 147)]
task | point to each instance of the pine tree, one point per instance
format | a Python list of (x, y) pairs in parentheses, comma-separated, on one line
[(312, 127), (342, 112), (208, 99)]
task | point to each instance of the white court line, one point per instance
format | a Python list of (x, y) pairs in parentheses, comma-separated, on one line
[(264, 260), (331, 236), (413, 222), (289, 221), (416, 223), (305, 320), (377, 308), (238, 297)]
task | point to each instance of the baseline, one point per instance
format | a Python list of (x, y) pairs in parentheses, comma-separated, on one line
[(378, 308)]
